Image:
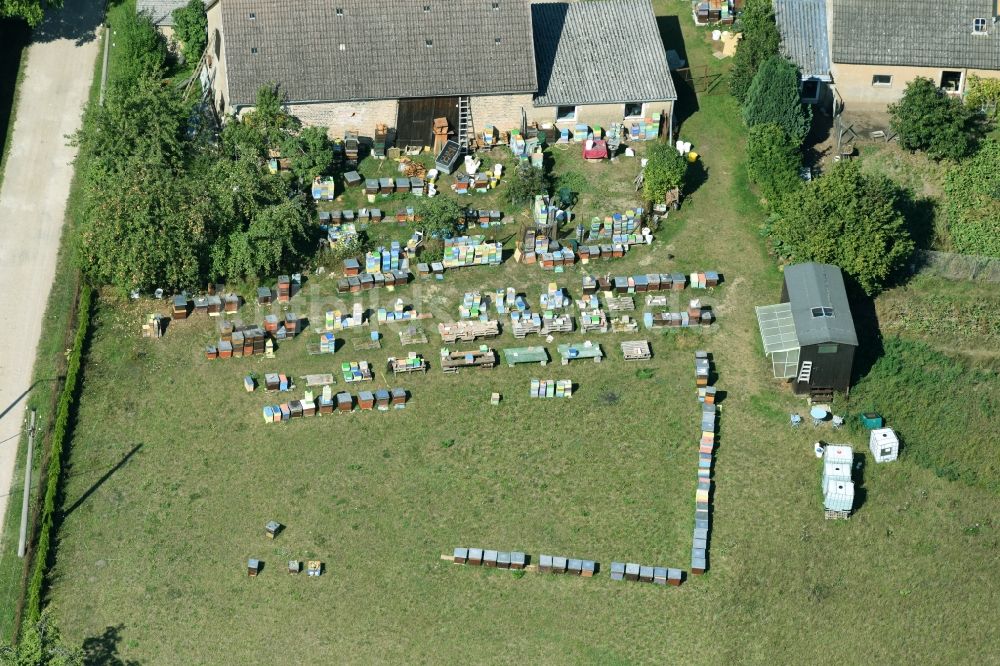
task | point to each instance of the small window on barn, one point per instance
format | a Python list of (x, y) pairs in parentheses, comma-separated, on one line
[(633, 110), (496, 42), (884, 80), (565, 113), (822, 312), (342, 47), (979, 26), (427, 8), (826, 349), (496, 6), (253, 49), (252, 16), (340, 11), (429, 43)]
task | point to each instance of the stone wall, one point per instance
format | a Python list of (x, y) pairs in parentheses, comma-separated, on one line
[(501, 111)]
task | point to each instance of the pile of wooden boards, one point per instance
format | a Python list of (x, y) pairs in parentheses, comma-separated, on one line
[(524, 324), (467, 331), (636, 350), (646, 574)]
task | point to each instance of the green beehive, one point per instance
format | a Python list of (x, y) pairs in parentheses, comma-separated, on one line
[(871, 420)]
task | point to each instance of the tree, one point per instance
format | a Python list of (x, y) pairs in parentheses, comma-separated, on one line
[(665, 170), (930, 120), (141, 51), (440, 215), (277, 238), (269, 117), (32, 11), (846, 218), (526, 183), (191, 28), (310, 152), (41, 644), (972, 205), (773, 97), (773, 161), (760, 41)]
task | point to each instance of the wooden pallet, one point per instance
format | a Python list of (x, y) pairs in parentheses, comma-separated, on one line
[(620, 304), (413, 335), (636, 350)]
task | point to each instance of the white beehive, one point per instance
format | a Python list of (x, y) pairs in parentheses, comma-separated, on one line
[(838, 496), (838, 454), (884, 445), (835, 472)]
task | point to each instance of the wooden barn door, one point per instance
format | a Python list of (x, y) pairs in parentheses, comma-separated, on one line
[(415, 120)]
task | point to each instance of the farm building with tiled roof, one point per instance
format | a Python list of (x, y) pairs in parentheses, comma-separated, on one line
[(352, 64)]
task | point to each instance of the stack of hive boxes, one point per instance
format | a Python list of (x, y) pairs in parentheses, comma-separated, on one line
[(548, 388), (706, 452), (838, 488), (471, 251)]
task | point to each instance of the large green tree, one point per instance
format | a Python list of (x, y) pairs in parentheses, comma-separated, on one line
[(933, 121), (847, 218), (773, 161), (972, 203), (760, 41), (773, 97), (32, 11), (191, 28)]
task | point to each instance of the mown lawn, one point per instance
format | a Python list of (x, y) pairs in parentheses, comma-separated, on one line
[(156, 550)]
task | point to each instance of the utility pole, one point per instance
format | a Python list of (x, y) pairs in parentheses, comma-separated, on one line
[(22, 541)]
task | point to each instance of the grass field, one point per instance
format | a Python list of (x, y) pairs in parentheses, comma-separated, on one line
[(173, 475)]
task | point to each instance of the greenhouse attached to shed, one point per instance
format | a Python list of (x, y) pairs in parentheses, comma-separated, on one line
[(810, 336)]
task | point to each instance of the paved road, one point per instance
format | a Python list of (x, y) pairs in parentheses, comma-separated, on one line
[(56, 83)]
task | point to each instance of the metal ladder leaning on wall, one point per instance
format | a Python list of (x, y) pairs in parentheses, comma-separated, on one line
[(465, 127)]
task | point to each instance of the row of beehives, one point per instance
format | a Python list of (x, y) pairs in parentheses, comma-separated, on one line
[(212, 305), (645, 574), (568, 565), (706, 453), (313, 567), (343, 402), (551, 388), (637, 284)]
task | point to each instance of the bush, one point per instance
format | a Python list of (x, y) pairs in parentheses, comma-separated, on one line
[(972, 206), (526, 183), (774, 98), (930, 120), (760, 41), (983, 96), (440, 215), (140, 50), (191, 28), (846, 218), (60, 433), (773, 161), (665, 170)]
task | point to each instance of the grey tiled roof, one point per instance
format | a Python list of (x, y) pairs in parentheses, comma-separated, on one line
[(919, 33), (802, 24), (160, 10), (815, 285), (377, 49), (607, 51)]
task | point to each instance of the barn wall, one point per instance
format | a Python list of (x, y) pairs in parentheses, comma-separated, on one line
[(828, 370), (501, 111), (340, 117), (216, 62), (598, 114), (854, 83)]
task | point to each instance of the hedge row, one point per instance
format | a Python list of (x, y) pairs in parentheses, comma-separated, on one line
[(59, 437)]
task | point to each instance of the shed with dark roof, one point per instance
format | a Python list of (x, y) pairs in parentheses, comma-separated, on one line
[(810, 336)]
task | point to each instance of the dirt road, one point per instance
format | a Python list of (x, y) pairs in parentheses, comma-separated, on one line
[(57, 77)]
